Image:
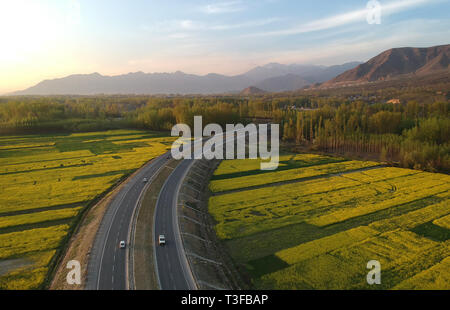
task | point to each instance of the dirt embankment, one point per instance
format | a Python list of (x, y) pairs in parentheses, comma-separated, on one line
[(208, 257)]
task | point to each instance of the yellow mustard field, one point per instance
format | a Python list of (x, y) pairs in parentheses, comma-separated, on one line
[(320, 232), (47, 180)]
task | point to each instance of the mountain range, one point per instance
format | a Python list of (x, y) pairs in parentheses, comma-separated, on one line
[(273, 77), (392, 64)]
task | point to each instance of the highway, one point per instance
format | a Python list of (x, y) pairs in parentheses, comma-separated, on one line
[(172, 267), (107, 266)]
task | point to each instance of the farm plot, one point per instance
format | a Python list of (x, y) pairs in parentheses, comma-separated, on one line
[(289, 173), (46, 181), (320, 233)]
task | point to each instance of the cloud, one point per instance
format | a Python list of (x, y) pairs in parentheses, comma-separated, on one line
[(223, 7), (346, 18), (363, 46), (168, 26), (180, 28), (249, 24)]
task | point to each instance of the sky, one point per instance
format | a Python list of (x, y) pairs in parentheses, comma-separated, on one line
[(46, 39)]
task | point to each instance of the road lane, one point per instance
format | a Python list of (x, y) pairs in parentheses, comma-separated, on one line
[(107, 268), (172, 268)]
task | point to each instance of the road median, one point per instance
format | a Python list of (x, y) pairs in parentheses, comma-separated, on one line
[(144, 265)]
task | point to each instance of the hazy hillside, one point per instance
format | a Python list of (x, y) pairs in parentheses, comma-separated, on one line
[(272, 78), (283, 83), (252, 91)]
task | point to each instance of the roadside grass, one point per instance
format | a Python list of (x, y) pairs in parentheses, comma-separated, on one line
[(320, 233), (47, 181)]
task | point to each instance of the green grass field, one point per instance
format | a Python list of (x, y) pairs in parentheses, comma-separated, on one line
[(47, 180), (320, 232)]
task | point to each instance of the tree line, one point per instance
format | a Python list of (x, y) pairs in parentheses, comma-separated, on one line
[(409, 134)]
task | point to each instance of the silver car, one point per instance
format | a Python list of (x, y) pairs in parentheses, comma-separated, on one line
[(162, 240)]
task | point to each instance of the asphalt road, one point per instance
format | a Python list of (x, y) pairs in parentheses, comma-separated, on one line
[(107, 267), (172, 267)]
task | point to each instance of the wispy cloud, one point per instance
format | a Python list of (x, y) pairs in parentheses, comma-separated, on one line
[(363, 46), (346, 18), (249, 24), (223, 7), (176, 27), (168, 26)]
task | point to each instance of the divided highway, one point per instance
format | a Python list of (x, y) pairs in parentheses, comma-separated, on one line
[(173, 270), (107, 267)]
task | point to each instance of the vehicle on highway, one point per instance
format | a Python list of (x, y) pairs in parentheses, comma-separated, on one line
[(145, 180), (122, 244), (162, 240)]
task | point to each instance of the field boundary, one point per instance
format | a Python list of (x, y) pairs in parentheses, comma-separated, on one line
[(316, 177)]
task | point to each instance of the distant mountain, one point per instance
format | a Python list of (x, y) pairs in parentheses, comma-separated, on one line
[(275, 70), (272, 78), (252, 91), (286, 82), (329, 73), (139, 83), (310, 73), (397, 63)]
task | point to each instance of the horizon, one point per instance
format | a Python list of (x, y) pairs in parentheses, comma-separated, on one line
[(202, 37), (173, 72)]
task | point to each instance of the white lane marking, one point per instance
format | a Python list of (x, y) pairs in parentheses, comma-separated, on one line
[(129, 252), (127, 188), (107, 234)]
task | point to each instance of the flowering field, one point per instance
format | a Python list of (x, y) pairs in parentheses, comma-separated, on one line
[(47, 180), (320, 233)]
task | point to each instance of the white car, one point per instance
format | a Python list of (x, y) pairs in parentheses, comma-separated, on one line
[(122, 244), (145, 180), (162, 240)]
